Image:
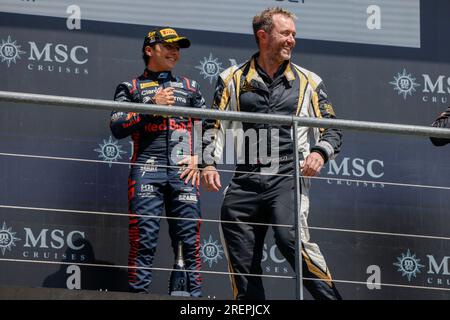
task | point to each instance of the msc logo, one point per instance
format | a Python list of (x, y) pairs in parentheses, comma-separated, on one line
[(356, 168), (110, 151), (210, 68), (50, 57), (405, 84), (408, 264), (211, 251), (60, 53), (45, 243), (273, 261), (55, 239), (437, 268), (7, 238), (10, 51), (435, 88)]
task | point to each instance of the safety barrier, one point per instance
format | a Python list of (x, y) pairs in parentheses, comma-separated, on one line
[(294, 121)]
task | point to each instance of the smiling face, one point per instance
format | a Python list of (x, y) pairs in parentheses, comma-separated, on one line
[(163, 56), (280, 41)]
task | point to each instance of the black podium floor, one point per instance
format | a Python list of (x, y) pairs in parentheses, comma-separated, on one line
[(23, 293)]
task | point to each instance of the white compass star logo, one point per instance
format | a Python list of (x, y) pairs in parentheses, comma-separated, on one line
[(408, 265), (211, 251), (210, 68), (7, 238), (10, 51), (110, 151), (405, 84)]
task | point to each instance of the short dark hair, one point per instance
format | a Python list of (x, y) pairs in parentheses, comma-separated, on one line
[(264, 20)]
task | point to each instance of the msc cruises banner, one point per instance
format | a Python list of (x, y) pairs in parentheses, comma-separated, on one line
[(379, 211), (382, 22)]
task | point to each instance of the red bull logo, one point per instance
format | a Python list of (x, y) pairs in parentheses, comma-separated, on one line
[(173, 126)]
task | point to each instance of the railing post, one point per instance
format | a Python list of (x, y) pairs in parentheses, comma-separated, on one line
[(298, 220)]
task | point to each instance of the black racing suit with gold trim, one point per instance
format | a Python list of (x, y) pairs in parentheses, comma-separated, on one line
[(252, 197), (154, 183)]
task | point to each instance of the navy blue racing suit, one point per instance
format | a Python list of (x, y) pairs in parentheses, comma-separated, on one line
[(154, 182)]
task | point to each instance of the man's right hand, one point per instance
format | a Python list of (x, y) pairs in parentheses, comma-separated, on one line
[(210, 179), (164, 96)]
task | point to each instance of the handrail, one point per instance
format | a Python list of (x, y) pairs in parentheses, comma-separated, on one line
[(108, 105), (294, 121)]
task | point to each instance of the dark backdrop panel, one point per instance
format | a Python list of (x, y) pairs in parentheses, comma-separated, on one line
[(44, 247)]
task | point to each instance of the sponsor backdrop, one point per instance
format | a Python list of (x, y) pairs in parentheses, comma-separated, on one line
[(53, 228), (346, 21)]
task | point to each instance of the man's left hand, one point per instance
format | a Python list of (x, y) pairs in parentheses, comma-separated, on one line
[(191, 172), (312, 164)]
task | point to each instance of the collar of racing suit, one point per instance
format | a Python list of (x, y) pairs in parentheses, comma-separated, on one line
[(257, 73), (257, 78), (158, 76)]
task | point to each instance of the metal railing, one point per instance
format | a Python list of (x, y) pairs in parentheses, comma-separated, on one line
[(107, 105), (295, 121)]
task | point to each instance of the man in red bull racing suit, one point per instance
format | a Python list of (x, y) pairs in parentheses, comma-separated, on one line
[(157, 180)]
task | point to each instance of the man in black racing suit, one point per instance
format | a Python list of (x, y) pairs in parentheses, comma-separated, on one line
[(262, 192), (161, 145)]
